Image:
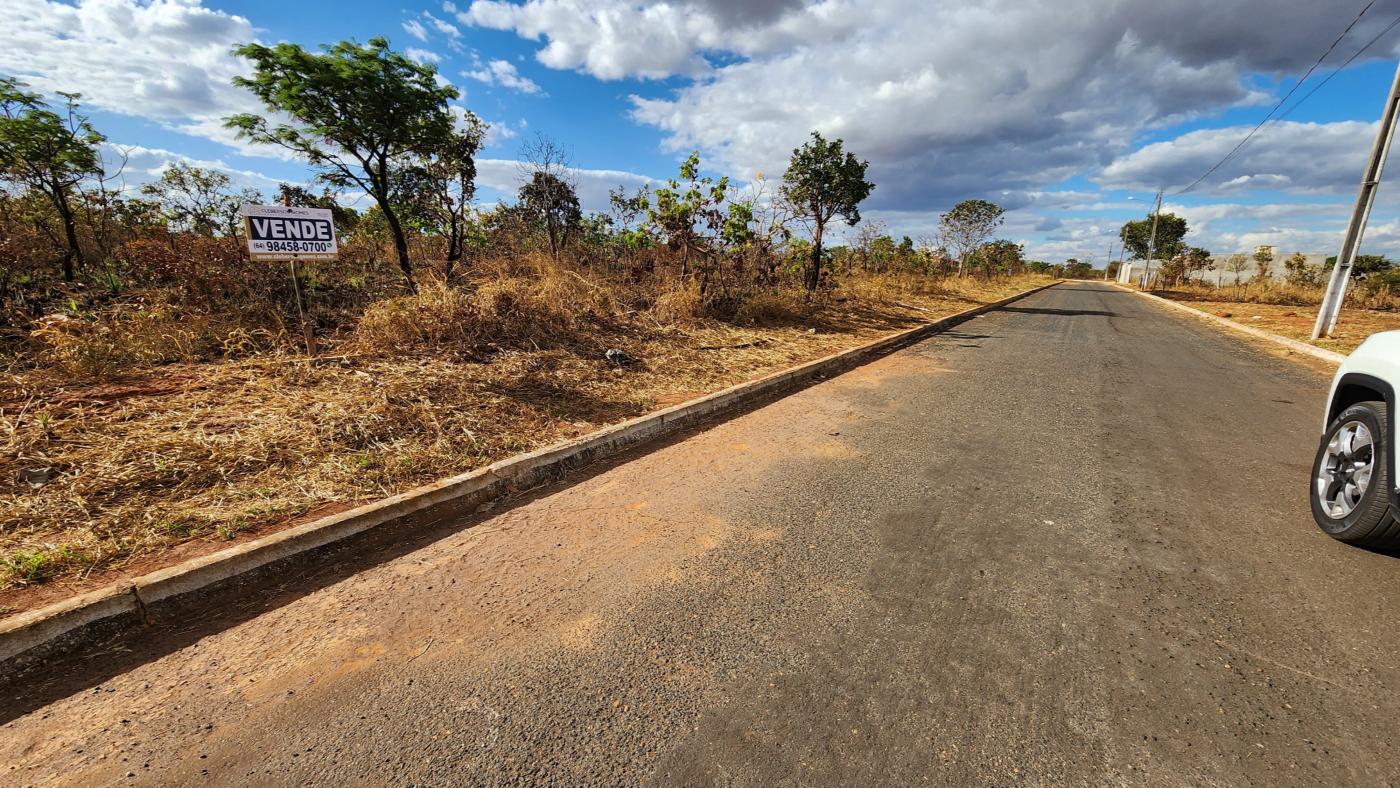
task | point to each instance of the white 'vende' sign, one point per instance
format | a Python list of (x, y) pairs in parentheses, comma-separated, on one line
[(276, 232)]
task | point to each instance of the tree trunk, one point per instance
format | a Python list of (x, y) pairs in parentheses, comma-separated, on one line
[(814, 267), (74, 252), (552, 229), (400, 244), (454, 248)]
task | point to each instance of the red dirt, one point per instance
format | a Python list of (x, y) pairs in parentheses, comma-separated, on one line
[(36, 595)]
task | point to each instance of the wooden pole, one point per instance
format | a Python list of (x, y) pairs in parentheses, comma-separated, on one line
[(308, 333)]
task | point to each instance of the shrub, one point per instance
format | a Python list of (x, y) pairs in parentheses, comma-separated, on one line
[(153, 330), (503, 310), (771, 307)]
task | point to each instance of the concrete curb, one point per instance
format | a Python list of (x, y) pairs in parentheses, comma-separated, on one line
[(60, 626), (1330, 356)]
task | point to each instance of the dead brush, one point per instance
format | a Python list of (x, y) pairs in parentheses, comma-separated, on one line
[(773, 307), (537, 307), (1361, 294), (678, 305), (153, 331), (216, 450), (436, 316)]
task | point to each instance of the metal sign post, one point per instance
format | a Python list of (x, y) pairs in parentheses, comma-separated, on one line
[(284, 232)]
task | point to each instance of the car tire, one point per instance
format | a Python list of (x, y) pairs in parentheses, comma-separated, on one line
[(1350, 483)]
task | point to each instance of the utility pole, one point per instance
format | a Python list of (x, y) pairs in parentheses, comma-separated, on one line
[(1341, 272), (1108, 261), (1151, 244)]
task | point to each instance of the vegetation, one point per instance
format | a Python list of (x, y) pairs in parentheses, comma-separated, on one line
[(1372, 298), (823, 182), (363, 115), (1189, 261), (154, 392), (967, 226), (1263, 260), (1364, 265), (49, 154), (1138, 239)]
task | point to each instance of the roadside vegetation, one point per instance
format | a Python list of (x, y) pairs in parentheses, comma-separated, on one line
[(1286, 306), (158, 396)]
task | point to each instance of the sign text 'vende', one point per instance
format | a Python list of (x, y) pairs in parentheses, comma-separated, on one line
[(285, 233)]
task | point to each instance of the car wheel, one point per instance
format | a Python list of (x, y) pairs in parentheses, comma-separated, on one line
[(1351, 484)]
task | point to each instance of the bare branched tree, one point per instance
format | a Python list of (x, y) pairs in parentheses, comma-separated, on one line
[(549, 190)]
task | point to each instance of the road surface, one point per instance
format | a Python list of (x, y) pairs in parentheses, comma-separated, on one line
[(1065, 542)]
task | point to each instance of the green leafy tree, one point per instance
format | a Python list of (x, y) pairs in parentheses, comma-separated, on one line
[(1197, 260), (1075, 268), (688, 214), (629, 218), (874, 250), (999, 257), (738, 229), (1237, 264), (440, 184), (1300, 272), (1263, 258), (1137, 237), (823, 182), (50, 152), (197, 200), (1364, 265), (1184, 264), (358, 114), (906, 256), (551, 202), (967, 226)]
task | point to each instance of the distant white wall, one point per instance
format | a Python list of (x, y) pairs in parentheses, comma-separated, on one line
[(1131, 270), (1223, 276)]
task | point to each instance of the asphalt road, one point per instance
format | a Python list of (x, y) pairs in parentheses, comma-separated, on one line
[(1067, 542)]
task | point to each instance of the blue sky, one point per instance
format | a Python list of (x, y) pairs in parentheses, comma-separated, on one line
[(1068, 113)]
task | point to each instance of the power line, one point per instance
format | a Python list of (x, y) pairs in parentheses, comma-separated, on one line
[(1339, 69), (1281, 102)]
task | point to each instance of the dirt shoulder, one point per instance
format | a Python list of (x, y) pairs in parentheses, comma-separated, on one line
[(101, 480), (1295, 322)]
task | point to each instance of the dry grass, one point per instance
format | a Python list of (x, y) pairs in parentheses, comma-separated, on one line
[(1353, 326), (1360, 295), (1290, 309), (153, 330), (195, 454)]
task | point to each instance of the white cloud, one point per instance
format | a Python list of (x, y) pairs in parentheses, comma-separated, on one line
[(503, 73), (143, 165), (416, 29), (1284, 156), (442, 25), (498, 134), (168, 60), (423, 55), (946, 100), (612, 39), (505, 176)]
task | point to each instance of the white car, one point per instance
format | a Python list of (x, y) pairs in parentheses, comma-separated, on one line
[(1354, 497)]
